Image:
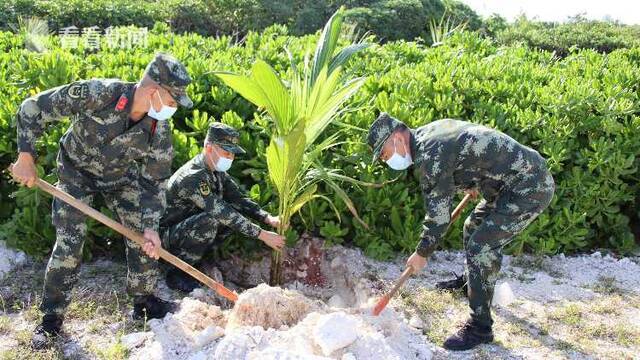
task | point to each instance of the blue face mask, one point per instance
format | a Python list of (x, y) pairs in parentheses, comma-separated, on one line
[(398, 162), (165, 111), (223, 164)]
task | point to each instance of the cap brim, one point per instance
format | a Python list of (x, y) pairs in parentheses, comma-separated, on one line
[(181, 97), (378, 149), (233, 148), (376, 155), (184, 100)]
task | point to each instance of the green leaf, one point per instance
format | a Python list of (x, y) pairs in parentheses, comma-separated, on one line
[(305, 197), (327, 111), (278, 101), (245, 86), (284, 159), (345, 54), (327, 44), (254, 192)]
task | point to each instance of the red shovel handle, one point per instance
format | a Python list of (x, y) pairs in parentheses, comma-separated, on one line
[(382, 303)]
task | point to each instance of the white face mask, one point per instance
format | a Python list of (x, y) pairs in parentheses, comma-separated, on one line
[(397, 162), (223, 164), (164, 113)]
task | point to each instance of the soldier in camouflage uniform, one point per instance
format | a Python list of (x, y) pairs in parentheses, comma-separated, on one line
[(451, 155), (118, 146), (204, 204)]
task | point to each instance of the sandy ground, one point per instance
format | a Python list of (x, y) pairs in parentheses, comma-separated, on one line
[(9, 259), (584, 307)]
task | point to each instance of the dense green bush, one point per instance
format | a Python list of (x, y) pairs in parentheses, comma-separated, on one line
[(82, 13), (493, 25), (391, 19), (581, 112), (460, 12), (388, 19), (409, 19), (578, 33)]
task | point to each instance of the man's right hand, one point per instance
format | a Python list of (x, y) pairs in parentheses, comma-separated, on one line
[(272, 239), (473, 192), (417, 262), (24, 169)]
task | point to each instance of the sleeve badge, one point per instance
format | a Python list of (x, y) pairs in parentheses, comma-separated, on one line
[(78, 91), (205, 190)]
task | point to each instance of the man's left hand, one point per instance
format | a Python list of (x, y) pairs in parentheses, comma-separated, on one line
[(273, 221), (152, 246)]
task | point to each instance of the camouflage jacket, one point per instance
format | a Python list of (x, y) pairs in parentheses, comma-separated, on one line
[(452, 155), (194, 188), (101, 141)]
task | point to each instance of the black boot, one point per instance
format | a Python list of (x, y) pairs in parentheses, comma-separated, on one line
[(459, 283), (469, 336), (46, 332), (180, 280), (151, 307)]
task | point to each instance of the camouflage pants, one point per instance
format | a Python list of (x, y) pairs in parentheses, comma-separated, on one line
[(492, 225), (62, 270), (191, 238)]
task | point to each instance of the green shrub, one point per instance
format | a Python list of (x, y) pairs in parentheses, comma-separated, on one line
[(392, 19), (82, 13), (462, 13), (581, 112), (564, 38), (388, 19), (492, 25)]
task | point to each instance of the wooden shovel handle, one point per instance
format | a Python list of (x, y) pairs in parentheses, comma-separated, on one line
[(405, 275), (136, 237), (456, 212), (382, 303)]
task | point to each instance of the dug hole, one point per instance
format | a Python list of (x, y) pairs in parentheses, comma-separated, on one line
[(299, 321)]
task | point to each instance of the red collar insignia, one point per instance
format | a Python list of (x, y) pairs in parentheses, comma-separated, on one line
[(122, 102), (153, 127)]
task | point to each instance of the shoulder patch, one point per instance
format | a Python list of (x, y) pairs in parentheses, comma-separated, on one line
[(78, 91), (204, 188), (122, 103)]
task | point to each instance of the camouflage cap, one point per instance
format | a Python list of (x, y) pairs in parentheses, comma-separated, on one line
[(172, 75), (225, 136), (380, 131)]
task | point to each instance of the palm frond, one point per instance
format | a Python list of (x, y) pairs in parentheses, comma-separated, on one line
[(345, 54), (34, 32), (327, 44), (442, 30), (278, 101), (326, 113), (301, 108), (245, 86)]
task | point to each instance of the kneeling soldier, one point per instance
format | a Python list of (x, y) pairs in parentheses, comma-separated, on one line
[(451, 155), (204, 204)]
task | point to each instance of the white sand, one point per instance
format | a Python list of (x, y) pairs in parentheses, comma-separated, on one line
[(503, 296), (269, 307), (200, 329), (275, 323), (335, 331), (9, 259)]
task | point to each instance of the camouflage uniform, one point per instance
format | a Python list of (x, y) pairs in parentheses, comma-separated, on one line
[(104, 152), (451, 155), (203, 204)]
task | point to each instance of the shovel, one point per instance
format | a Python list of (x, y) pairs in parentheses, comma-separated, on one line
[(382, 303), (137, 238)]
